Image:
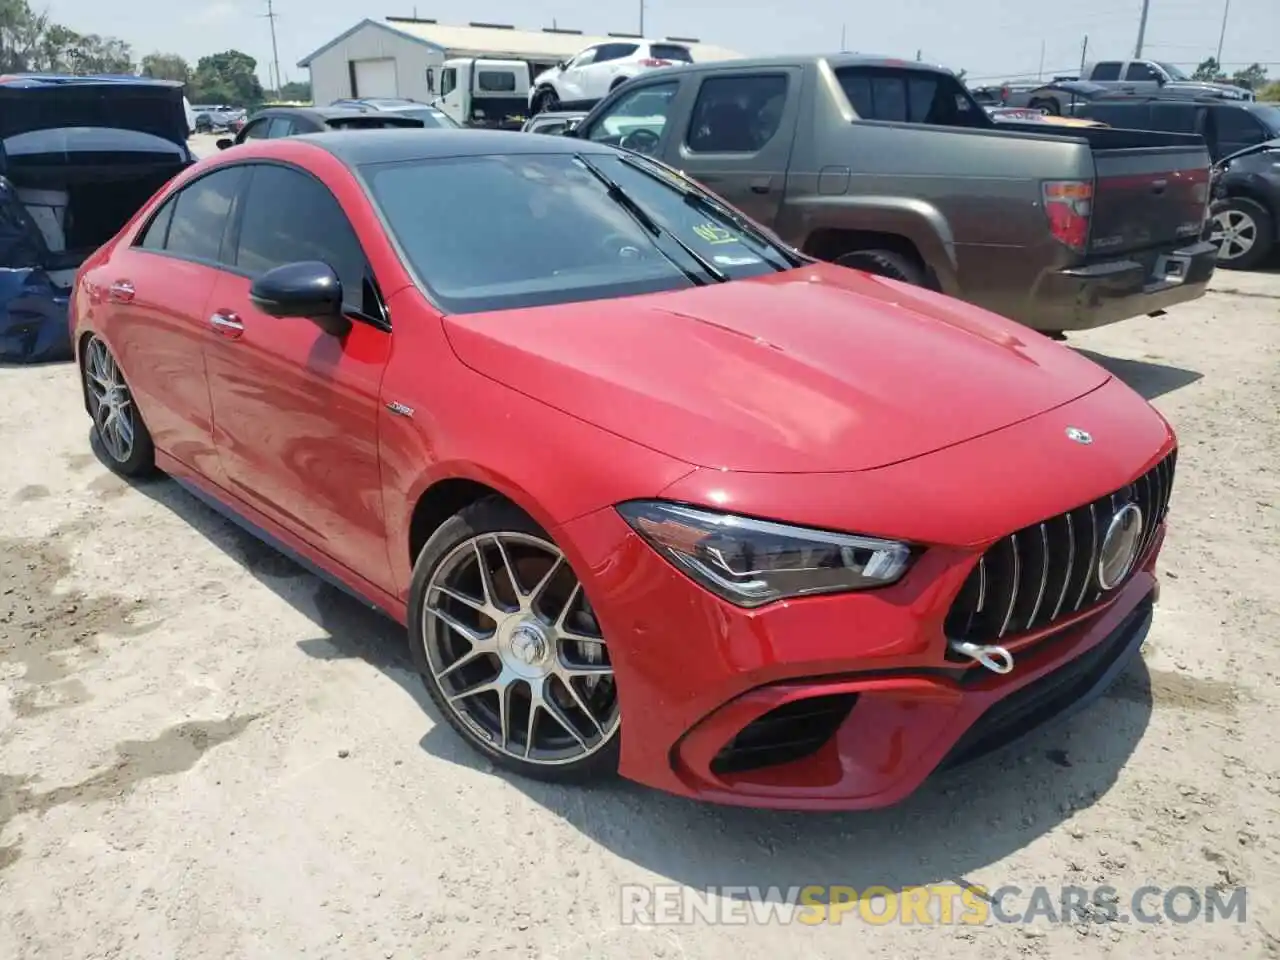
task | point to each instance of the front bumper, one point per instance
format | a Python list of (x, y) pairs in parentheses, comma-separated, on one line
[(1092, 295)]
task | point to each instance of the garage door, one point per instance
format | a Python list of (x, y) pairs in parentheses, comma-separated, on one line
[(375, 78)]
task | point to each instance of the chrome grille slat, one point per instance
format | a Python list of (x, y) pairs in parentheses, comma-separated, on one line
[(1016, 583), (1071, 569), (1005, 595), (1044, 576)]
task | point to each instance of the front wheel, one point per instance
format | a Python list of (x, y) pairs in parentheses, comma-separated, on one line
[(884, 263), (509, 647), (1244, 231), (545, 101), (117, 426)]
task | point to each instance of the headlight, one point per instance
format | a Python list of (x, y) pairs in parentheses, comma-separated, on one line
[(754, 562)]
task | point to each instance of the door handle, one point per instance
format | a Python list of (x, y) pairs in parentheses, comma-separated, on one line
[(227, 323), (121, 292), (761, 185)]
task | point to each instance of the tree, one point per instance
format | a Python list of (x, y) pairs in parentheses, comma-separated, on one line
[(296, 92), (1253, 77), (1209, 71), (227, 77), (166, 66), (29, 42), (960, 75)]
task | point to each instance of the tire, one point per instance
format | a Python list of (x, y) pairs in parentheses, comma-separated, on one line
[(119, 432), (528, 644), (884, 263), (1049, 106), (545, 101), (1246, 231)]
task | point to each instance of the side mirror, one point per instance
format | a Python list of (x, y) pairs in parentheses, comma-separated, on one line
[(562, 64), (308, 289), (1161, 79), (225, 142)]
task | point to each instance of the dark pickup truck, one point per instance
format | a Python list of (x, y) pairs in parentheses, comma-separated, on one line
[(892, 167)]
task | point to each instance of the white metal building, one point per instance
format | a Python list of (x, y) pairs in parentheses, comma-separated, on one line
[(392, 57)]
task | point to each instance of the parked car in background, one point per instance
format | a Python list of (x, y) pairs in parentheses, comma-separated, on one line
[(623, 464), (78, 157), (484, 93), (1058, 229), (1059, 97), (429, 115), (277, 122), (1152, 76), (1028, 115), (555, 122), (210, 118), (1227, 126), (1246, 209), (591, 73)]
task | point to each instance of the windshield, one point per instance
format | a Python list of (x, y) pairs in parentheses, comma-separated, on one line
[(1269, 115), (1173, 72), (431, 118), (504, 232)]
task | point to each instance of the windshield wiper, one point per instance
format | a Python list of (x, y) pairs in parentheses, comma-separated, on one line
[(652, 227), (714, 207)]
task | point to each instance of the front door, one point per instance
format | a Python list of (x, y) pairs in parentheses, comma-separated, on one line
[(156, 293), (296, 409), (738, 141)]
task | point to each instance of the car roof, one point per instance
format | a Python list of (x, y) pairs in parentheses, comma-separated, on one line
[(835, 60), (315, 113), (359, 147), (36, 80)]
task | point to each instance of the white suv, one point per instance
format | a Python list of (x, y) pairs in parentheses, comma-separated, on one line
[(593, 72)]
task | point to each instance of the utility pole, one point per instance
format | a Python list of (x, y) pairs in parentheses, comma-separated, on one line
[(1084, 53), (642, 18), (1142, 29), (275, 51), (1223, 35), (1041, 74), (843, 48)]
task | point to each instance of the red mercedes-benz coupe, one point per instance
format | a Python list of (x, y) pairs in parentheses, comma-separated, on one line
[(653, 492)]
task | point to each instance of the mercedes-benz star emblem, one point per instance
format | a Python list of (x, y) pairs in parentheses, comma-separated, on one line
[(1078, 435), (1120, 546)]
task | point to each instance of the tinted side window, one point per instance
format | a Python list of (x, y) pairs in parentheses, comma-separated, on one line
[(201, 215), (448, 80), (737, 114), (1107, 70), (1174, 117), (255, 130), (157, 231), (1140, 71), (1238, 127), (670, 51), (495, 81), (636, 120), (280, 127), (615, 51), (910, 96), (288, 216)]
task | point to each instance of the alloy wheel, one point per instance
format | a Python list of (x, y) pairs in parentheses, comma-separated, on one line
[(110, 403), (514, 646), (1235, 233)]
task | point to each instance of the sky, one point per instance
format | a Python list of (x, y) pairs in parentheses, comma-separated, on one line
[(990, 39)]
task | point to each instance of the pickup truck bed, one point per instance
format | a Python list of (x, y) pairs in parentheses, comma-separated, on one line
[(1059, 230)]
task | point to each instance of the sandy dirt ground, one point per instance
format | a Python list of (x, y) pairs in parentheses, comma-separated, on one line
[(206, 753)]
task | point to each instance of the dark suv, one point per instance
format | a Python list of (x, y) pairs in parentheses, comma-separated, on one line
[(1243, 139)]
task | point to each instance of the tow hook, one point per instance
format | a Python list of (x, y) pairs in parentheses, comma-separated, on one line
[(994, 658)]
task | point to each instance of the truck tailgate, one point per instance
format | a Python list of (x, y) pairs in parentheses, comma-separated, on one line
[(1146, 196)]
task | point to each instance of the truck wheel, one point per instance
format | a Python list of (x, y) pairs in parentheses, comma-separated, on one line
[(884, 263), (1244, 231), (1049, 106)]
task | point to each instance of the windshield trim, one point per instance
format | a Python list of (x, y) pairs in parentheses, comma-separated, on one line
[(365, 173), (1172, 70)]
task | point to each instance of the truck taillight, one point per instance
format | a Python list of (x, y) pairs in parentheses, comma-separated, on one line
[(1067, 204), (1004, 94), (651, 62)]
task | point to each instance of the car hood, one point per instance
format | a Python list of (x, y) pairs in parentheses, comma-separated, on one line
[(813, 370), (50, 102)]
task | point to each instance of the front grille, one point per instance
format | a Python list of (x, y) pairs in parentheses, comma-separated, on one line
[(790, 732), (1053, 695), (1048, 571)]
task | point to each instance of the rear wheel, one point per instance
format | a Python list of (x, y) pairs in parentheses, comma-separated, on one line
[(885, 263), (1049, 106), (545, 101), (509, 648), (1244, 231), (117, 426)]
